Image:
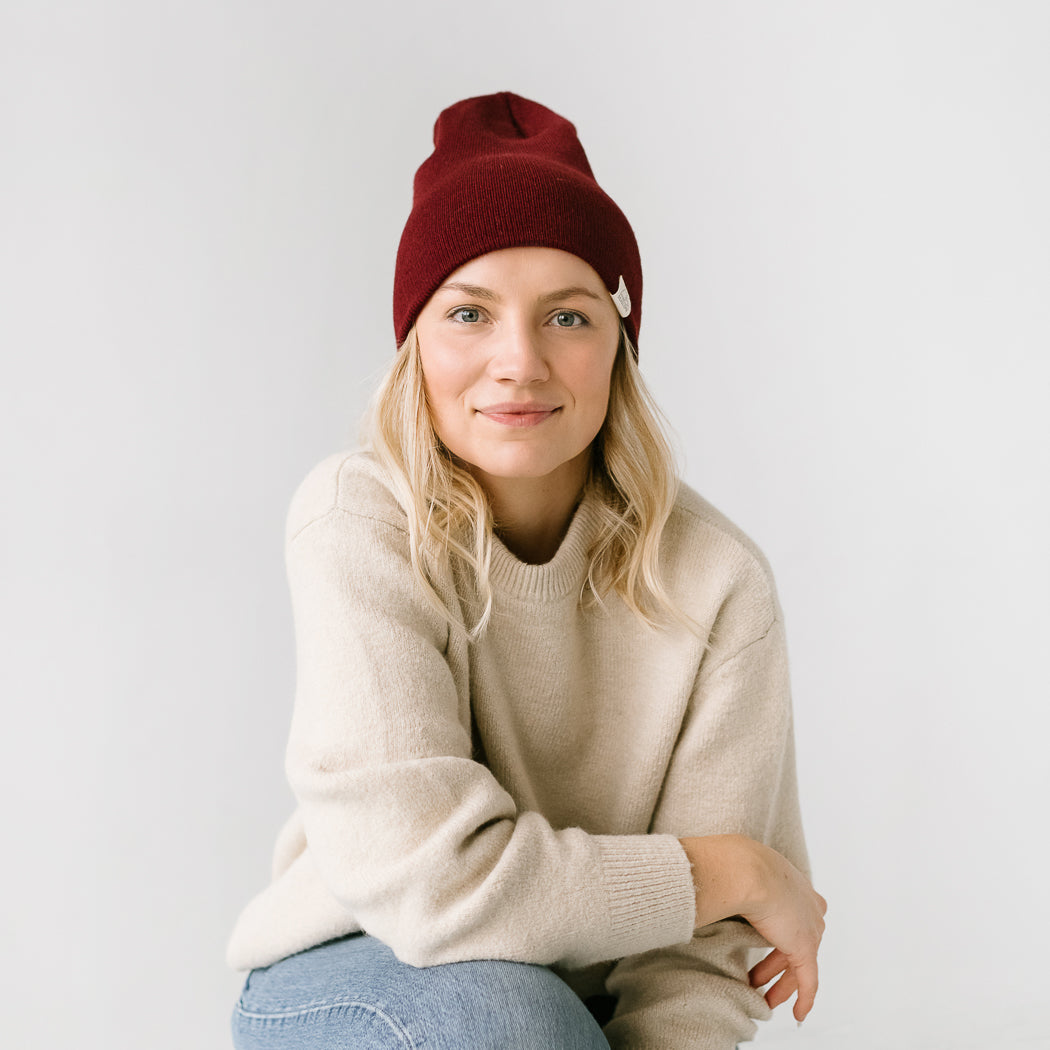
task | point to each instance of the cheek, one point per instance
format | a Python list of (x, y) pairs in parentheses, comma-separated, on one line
[(594, 395), (439, 376), (445, 383)]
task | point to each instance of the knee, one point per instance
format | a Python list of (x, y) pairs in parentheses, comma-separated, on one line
[(318, 1027), (355, 993), (333, 995)]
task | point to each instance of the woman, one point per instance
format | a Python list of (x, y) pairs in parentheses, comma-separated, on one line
[(542, 740)]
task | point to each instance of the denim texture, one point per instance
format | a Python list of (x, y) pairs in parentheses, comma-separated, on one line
[(354, 993)]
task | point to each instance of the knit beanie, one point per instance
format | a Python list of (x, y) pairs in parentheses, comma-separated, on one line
[(509, 173)]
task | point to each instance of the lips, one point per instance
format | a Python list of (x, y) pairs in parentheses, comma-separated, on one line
[(515, 414)]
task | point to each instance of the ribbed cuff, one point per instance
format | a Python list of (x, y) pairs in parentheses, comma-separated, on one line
[(648, 883)]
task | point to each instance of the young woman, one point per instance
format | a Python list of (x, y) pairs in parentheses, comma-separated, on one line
[(542, 742)]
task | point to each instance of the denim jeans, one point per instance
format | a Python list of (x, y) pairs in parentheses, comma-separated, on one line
[(354, 993)]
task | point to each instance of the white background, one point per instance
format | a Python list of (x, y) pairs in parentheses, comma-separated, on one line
[(844, 220)]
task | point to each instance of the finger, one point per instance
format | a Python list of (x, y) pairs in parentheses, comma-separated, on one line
[(783, 990), (763, 972), (806, 974)]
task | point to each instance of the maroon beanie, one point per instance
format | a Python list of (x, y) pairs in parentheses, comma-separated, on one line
[(509, 173)]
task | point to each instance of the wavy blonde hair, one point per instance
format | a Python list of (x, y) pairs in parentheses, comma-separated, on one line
[(632, 472)]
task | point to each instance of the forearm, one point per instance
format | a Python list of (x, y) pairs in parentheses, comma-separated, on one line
[(431, 857)]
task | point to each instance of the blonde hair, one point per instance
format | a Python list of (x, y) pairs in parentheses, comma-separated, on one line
[(632, 473)]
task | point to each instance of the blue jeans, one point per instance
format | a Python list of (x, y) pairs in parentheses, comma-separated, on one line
[(354, 993)]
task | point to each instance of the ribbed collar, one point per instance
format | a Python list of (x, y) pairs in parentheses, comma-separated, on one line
[(563, 575)]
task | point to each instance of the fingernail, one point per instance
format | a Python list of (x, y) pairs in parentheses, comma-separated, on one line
[(798, 1023)]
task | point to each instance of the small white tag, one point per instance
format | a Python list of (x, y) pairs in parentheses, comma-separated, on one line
[(622, 299)]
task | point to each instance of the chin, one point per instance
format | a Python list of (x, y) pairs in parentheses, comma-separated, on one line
[(500, 468), (522, 464)]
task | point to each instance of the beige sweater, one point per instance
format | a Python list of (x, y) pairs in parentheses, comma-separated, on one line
[(521, 797)]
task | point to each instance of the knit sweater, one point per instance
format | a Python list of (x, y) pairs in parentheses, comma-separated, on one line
[(521, 796)]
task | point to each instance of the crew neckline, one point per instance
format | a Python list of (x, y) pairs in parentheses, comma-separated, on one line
[(563, 575)]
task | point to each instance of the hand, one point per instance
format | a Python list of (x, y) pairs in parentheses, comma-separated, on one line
[(797, 965), (735, 875)]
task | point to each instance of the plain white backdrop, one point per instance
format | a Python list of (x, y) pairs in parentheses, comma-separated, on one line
[(845, 227)]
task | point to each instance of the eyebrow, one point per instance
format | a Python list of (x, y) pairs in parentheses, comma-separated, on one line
[(477, 291), (570, 293)]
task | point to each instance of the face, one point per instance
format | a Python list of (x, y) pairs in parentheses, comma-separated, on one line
[(517, 349)]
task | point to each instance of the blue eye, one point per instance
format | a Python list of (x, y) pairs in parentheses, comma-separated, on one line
[(568, 319), (466, 315)]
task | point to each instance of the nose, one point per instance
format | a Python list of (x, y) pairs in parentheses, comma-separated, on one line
[(517, 355)]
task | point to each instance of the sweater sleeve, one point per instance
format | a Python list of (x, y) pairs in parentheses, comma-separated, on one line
[(418, 841), (732, 772)]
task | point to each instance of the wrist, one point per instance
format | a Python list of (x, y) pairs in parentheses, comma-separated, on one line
[(726, 875)]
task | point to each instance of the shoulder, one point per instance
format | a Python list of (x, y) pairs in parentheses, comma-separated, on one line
[(699, 527), (347, 541), (347, 484), (709, 561)]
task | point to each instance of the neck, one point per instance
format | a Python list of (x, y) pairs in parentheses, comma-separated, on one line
[(532, 515)]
